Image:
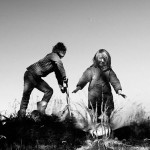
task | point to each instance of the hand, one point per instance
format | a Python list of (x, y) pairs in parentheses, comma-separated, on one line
[(123, 95), (63, 89), (120, 93), (76, 90), (65, 80)]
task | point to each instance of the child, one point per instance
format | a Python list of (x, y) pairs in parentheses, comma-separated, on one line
[(33, 78), (99, 76)]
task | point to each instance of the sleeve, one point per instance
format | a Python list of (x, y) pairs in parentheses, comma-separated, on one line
[(59, 70), (114, 81), (85, 78)]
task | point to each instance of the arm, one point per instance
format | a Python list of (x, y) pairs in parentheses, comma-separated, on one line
[(60, 72), (113, 79), (86, 77)]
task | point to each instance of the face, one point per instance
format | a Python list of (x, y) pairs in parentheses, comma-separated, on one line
[(62, 53), (101, 60)]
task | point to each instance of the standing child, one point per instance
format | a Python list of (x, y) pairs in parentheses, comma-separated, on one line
[(99, 76), (33, 78)]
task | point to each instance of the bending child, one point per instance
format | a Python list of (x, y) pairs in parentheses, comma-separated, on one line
[(33, 78)]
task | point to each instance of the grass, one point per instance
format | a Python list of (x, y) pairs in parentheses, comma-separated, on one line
[(50, 132)]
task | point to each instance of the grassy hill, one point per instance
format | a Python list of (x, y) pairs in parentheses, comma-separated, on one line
[(48, 132)]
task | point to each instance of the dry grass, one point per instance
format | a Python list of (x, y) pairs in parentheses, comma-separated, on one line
[(81, 131)]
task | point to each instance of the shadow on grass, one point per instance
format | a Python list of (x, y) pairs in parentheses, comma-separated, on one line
[(47, 133), (135, 134)]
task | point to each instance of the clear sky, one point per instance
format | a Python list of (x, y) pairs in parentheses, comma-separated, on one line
[(30, 28)]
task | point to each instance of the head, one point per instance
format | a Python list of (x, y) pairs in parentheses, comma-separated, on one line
[(102, 59), (60, 49)]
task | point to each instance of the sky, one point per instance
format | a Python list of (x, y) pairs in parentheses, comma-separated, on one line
[(30, 28)]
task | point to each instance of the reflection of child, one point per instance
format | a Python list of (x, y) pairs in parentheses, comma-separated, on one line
[(100, 75), (33, 78)]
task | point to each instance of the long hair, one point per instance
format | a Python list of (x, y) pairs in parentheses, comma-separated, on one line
[(106, 57), (59, 47)]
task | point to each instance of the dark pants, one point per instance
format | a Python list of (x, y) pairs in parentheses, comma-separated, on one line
[(31, 82), (104, 103)]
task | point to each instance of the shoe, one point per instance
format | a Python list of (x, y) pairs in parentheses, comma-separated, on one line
[(41, 106)]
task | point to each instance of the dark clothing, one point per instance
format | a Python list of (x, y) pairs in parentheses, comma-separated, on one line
[(99, 87), (30, 82), (50, 63), (32, 77), (107, 104)]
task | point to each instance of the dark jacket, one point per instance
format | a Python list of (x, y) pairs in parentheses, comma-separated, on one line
[(99, 81), (50, 63)]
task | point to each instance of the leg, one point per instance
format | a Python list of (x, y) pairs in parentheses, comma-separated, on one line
[(93, 103), (94, 97), (109, 105), (46, 89), (48, 92), (28, 87)]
